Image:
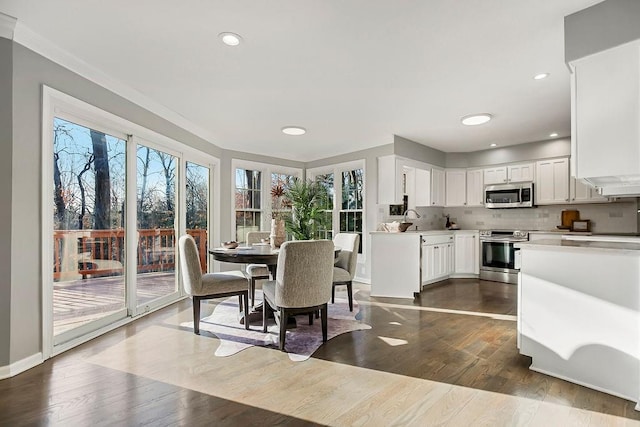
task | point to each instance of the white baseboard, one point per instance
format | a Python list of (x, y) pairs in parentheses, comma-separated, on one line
[(20, 366), (362, 280), (584, 384)]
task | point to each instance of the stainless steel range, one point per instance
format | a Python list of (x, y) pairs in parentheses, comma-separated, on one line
[(497, 261)]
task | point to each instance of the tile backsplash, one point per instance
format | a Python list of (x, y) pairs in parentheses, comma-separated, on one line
[(618, 217)]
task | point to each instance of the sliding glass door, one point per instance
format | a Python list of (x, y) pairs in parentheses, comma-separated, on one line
[(114, 203), (88, 228), (156, 204)]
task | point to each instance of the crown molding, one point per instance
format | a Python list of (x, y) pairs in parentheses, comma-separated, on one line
[(42, 46), (7, 26)]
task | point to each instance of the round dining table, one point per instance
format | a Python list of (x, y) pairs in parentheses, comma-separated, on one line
[(248, 255)]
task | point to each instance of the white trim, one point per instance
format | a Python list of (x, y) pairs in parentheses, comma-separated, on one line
[(584, 384), (131, 233), (32, 40), (20, 366), (362, 280), (7, 26), (47, 223)]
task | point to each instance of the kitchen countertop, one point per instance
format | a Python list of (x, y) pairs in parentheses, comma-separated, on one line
[(420, 232), (570, 245)]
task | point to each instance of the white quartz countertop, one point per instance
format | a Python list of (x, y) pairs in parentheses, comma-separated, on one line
[(569, 245), (421, 232)]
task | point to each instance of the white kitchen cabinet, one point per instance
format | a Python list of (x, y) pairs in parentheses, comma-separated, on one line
[(509, 173), (579, 192), (467, 253), (437, 257), (495, 175), (437, 187), (521, 172), (552, 183), (456, 187), (422, 187), (475, 187), (398, 176), (390, 180), (605, 137)]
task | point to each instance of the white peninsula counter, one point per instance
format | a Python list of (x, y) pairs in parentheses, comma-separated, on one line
[(579, 312), (403, 263)]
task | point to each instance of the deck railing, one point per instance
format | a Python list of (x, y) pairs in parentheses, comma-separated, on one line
[(101, 252)]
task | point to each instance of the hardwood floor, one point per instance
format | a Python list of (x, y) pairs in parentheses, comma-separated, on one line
[(447, 358)]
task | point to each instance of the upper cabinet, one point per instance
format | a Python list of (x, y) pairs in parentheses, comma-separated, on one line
[(475, 187), (552, 183), (398, 176), (605, 140), (437, 187), (456, 187), (579, 192), (509, 173), (391, 185)]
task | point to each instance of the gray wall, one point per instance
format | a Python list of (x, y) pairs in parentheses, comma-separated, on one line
[(412, 150), (30, 71), (6, 78), (600, 27), (514, 153)]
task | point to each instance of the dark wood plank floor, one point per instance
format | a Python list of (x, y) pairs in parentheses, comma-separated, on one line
[(442, 341)]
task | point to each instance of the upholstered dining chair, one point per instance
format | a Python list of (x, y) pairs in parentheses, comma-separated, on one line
[(209, 285), (302, 284), (256, 271), (344, 269)]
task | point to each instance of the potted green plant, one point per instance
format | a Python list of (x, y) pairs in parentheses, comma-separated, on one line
[(307, 200)]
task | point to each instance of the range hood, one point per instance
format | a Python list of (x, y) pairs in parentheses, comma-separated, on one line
[(616, 186)]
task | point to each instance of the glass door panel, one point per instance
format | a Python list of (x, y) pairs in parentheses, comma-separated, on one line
[(88, 234), (156, 213), (197, 209)]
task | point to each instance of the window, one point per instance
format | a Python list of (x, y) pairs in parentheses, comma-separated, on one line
[(352, 207), (254, 205), (344, 209), (326, 229), (279, 183), (248, 204)]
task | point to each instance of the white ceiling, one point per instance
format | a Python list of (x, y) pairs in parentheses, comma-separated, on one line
[(353, 72)]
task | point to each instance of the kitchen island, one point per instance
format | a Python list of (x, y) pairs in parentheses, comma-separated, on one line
[(579, 312)]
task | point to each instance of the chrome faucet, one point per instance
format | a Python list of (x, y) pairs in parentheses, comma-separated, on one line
[(407, 211)]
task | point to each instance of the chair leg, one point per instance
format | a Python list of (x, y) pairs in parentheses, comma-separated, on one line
[(333, 294), (246, 310), (265, 308), (252, 290), (350, 295), (311, 318), (196, 315), (283, 327), (240, 303), (324, 315)]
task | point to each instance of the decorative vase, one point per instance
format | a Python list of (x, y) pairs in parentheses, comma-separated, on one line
[(278, 234)]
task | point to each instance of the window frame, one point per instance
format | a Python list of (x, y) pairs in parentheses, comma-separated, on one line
[(266, 169), (337, 170)]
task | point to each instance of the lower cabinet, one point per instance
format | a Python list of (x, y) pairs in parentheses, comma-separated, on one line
[(467, 254), (437, 257)]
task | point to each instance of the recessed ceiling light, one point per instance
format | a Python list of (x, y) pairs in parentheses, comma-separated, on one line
[(294, 130), (541, 76), (476, 119), (230, 39), (493, 145), (553, 135)]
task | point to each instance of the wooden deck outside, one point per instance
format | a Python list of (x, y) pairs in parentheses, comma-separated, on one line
[(94, 253), (81, 301)]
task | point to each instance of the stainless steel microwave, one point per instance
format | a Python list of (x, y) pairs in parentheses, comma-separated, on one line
[(518, 195)]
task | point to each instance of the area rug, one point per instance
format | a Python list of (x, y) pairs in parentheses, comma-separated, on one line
[(301, 341)]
